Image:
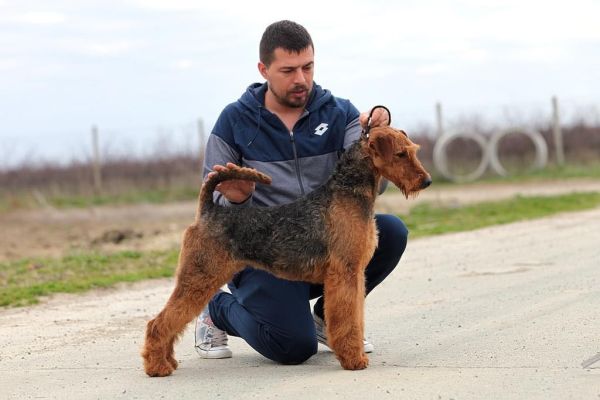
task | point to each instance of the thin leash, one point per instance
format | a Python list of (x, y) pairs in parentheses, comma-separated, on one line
[(367, 129)]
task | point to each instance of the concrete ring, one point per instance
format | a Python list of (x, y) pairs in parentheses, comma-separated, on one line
[(440, 159), (541, 148)]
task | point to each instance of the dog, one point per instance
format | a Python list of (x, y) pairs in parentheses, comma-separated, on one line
[(326, 237)]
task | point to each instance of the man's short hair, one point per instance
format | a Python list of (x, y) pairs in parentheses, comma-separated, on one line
[(286, 34)]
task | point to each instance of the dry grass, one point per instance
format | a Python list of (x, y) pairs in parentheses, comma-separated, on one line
[(175, 174)]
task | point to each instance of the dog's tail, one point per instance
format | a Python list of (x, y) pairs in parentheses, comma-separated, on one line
[(205, 200)]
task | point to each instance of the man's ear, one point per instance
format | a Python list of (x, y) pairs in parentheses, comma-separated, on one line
[(262, 68), (383, 147)]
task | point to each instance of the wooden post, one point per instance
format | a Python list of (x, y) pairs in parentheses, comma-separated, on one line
[(439, 119), (557, 133), (96, 161)]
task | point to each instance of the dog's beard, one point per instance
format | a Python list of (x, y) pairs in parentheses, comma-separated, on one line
[(408, 192)]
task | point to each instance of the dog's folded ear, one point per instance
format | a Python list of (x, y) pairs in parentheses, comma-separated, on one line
[(383, 146)]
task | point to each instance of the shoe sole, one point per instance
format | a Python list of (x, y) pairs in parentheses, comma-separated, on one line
[(214, 354), (368, 347), (323, 340)]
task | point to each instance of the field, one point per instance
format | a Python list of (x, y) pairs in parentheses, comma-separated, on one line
[(54, 232)]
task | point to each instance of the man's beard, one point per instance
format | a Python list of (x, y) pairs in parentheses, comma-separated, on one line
[(289, 100)]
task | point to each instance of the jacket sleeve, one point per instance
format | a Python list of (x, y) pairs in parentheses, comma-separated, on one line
[(353, 128), (221, 149)]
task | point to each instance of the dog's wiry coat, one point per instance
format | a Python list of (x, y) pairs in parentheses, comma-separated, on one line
[(328, 237)]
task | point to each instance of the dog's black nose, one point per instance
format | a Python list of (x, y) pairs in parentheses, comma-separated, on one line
[(426, 182)]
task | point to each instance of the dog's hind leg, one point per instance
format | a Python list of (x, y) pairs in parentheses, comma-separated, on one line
[(201, 272), (203, 268), (344, 289)]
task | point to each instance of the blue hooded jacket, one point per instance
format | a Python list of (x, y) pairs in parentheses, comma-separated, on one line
[(248, 134)]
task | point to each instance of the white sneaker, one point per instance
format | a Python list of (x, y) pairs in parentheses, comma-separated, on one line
[(322, 335), (211, 342)]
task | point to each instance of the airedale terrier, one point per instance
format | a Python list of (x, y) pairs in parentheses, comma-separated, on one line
[(327, 237)]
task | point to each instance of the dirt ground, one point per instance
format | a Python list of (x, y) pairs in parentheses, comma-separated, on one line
[(50, 232)]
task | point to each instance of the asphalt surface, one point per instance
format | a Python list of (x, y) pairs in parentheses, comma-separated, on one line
[(507, 312)]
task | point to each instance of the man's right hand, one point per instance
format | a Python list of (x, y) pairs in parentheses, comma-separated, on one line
[(235, 190)]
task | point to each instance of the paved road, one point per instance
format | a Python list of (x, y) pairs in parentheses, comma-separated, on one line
[(506, 312)]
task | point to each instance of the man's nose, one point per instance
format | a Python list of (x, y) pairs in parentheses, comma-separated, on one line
[(299, 76)]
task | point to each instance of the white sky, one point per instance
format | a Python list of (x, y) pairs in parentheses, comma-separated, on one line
[(138, 67)]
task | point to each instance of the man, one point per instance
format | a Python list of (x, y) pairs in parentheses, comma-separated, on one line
[(294, 131)]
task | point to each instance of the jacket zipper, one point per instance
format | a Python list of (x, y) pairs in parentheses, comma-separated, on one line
[(297, 162)]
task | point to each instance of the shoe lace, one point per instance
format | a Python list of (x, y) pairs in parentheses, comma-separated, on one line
[(218, 337)]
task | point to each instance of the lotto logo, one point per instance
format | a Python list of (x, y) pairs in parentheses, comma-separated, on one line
[(321, 129)]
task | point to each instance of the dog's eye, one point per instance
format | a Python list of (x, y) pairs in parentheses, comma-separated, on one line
[(401, 154)]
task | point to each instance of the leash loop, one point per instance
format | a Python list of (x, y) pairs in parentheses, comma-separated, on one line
[(368, 127)]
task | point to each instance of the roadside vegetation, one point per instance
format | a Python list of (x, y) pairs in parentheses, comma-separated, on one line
[(32, 200), (163, 195), (173, 173), (426, 219), (25, 281)]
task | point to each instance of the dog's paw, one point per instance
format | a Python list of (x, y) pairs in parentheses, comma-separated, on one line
[(355, 363), (161, 369)]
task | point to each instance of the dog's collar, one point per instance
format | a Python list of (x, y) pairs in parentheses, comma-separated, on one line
[(366, 130)]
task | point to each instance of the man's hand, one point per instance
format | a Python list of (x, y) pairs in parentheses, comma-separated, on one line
[(235, 190), (380, 118)]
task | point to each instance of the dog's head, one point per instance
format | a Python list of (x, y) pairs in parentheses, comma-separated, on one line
[(394, 156)]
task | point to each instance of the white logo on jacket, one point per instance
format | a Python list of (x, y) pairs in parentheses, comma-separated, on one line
[(321, 129)]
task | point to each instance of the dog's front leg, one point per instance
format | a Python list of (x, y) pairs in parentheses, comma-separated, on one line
[(344, 315)]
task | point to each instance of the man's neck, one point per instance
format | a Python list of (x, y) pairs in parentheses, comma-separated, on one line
[(288, 115)]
